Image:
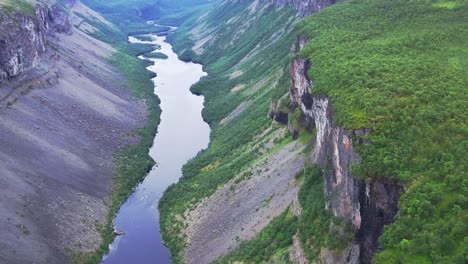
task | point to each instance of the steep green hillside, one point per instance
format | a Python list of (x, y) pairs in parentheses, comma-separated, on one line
[(401, 68), (13, 5), (247, 64), (397, 67), (124, 11)]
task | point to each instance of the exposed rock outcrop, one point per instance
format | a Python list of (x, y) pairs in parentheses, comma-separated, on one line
[(276, 113), (306, 7), (379, 204), (23, 38), (58, 20), (367, 205)]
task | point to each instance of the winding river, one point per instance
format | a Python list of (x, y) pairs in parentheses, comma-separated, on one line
[(182, 133)]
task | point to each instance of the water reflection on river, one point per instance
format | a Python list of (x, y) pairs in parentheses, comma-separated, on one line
[(181, 135)]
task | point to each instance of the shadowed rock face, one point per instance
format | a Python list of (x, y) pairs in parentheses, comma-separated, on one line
[(277, 114), (58, 20), (379, 204), (23, 38), (367, 205)]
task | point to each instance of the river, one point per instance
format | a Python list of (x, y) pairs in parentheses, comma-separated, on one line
[(182, 133)]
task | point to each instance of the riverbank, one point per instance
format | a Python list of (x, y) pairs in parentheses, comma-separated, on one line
[(181, 112), (131, 163)]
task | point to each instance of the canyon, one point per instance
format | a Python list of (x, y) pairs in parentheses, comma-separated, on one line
[(367, 205), (326, 143), (261, 62)]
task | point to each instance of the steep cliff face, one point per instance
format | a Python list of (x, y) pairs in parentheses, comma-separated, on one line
[(368, 205), (23, 38), (307, 7)]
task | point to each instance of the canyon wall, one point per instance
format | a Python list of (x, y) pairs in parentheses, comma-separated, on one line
[(367, 204), (23, 38), (64, 112), (307, 7)]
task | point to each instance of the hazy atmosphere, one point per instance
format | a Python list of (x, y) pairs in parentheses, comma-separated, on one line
[(233, 131)]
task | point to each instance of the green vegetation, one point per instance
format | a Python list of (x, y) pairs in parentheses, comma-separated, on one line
[(14, 5), (118, 35), (183, 15), (144, 37), (131, 163), (400, 68), (272, 244), (131, 13), (234, 146), (315, 227), (155, 55)]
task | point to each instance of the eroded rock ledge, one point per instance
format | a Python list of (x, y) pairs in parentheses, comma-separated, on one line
[(368, 205), (23, 38)]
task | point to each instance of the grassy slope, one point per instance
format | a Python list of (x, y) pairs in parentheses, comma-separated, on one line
[(365, 53), (123, 11), (401, 68), (233, 147), (271, 245), (14, 5)]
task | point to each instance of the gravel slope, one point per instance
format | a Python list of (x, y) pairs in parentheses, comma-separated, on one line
[(239, 211), (59, 127)]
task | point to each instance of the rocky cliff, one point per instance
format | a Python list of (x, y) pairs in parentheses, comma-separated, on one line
[(23, 38), (367, 204), (64, 113), (307, 7)]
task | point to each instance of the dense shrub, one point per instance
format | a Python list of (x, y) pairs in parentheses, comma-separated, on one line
[(400, 68)]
